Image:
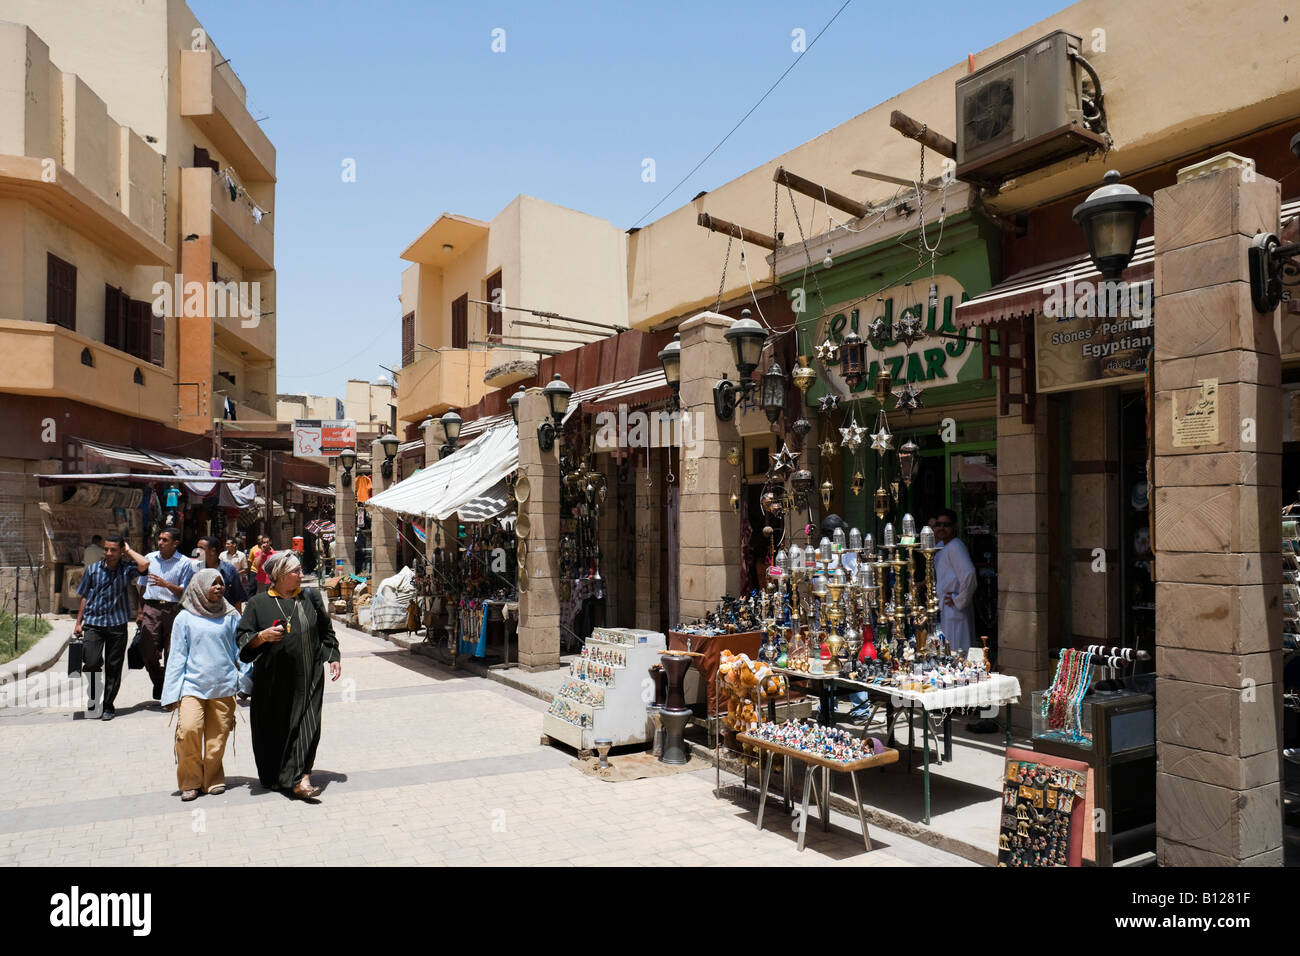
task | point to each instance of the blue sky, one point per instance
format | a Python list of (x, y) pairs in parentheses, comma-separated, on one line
[(436, 121)]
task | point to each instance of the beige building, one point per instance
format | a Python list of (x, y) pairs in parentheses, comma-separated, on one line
[(324, 407), (533, 255), (131, 170), (370, 403)]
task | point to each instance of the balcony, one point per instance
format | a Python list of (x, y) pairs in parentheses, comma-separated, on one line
[(55, 191), (46, 360), (215, 108), (437, 381), (236, 230)]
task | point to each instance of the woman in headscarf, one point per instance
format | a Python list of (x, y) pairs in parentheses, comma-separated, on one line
[(202, 677), (287, 632)]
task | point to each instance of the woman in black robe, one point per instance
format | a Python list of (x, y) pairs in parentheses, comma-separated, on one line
[(288, 675)]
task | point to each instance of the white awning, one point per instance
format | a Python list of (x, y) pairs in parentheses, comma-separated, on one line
[(443, 487), (189, 468), (487, 505)]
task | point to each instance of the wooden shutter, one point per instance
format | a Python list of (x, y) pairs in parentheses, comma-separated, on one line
[(408, 339), (140, 330), (460, 323), (114, 318), (157, 343), (60, 292), (202, 158), (494, 313)]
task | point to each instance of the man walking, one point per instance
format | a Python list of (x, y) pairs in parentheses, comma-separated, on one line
[(955, 580), (105, 607), (212, 557), (169, 572)]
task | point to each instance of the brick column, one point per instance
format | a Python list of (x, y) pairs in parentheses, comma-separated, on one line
[(649, 529), (383, 525), (708, 531), (1218, 529), (1023, 580), (345, 517), (539, 604)]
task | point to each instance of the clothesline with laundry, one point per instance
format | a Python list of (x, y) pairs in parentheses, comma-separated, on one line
[(236, 190)]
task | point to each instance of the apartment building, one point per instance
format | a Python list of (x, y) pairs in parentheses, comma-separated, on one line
[(137, 285), (533, 255)]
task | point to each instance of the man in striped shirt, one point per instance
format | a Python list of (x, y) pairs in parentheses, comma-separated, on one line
[(105, 591)]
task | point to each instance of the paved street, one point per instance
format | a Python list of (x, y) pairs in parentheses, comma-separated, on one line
[(420, 766)]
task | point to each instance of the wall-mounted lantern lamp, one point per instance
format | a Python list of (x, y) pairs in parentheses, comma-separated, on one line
[(746, 338), (347, 461), (451, 423), (670, 357), (390, 442), (1111, 217), (557, 399)]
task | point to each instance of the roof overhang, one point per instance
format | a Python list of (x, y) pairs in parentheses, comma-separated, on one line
[(449, 229)]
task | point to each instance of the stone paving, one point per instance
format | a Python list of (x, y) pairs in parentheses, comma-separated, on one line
[(420, 766)]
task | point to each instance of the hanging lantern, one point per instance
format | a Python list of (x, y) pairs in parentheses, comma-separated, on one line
[(773, 392), (882, 503), (852, 359), (802, 481), (828, 489), (859, 483), (884, 387), (804, 374), (907, 457), (801, 427), (735, 502)]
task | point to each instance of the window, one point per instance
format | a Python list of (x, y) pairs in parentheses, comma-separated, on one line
[(131, 327), (408, 339), (494, 311), (460, 323), (60, 292)]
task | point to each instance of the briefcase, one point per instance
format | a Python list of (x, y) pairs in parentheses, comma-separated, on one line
[(134, 657), (76, 654)]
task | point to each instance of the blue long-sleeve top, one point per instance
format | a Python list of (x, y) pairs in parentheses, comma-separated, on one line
[(204, 660)]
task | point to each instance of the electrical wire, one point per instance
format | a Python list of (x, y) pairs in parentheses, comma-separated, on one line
[(724, 139)]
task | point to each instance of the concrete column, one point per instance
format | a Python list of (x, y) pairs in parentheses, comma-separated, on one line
[(383, 532), (708, 531), (345, 517), (649, 529), (1218, 530), (539, 603), (1023, 580)]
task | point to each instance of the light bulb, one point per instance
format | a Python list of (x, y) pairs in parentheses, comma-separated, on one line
[(828, 261), (934, 295)]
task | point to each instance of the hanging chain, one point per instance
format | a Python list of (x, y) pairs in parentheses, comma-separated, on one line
[(776, 243), (804, 239), (717, 307), (920, 204)]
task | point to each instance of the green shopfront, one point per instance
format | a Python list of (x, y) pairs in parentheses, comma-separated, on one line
[(941, 370)]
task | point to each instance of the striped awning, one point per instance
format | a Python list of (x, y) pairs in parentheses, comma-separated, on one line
[(487, 505), (1026, 293), (136, 459)]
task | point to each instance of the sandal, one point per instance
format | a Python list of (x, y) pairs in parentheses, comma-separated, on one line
[(218, 789), (188, 795), (306, 793)]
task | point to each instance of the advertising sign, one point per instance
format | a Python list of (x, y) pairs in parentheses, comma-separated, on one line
[(319, 438)]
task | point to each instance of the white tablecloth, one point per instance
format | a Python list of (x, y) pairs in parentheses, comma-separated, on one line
[(997, 690)]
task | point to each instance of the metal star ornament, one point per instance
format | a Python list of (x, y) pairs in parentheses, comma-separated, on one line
[(882, 440), (784, 462), (827, 449), (909, 398), (880, 333), (852, 436), (828, 352), (828, 403), (910, 328)]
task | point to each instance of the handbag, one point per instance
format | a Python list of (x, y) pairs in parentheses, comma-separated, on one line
[(76, 655), (134, 656)]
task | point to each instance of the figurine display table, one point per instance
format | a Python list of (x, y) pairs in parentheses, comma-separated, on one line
[(602, 697), (701, 689), (934, 705), (769, 751)]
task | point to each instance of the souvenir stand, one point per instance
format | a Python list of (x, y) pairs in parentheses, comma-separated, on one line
[(583, 493), (603, 698), (849, 612), (485, 594), (1291, 663)]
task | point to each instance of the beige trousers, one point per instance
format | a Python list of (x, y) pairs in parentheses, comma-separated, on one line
[(201, 731)]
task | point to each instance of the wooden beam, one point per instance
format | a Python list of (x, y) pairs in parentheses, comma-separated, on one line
[(714, 224), (818, 191), (896, 180), (913, 130)]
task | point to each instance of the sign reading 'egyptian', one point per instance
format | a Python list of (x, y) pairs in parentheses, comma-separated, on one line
[(1091, 333)]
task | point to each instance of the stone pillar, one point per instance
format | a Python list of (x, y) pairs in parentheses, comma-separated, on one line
[(383, 524), (539, 603), (708, 530), (345, 517), (1218, 530), (1023, 580), (649, 530)]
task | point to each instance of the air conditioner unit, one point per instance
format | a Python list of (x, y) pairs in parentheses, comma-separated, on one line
[(1026, 111)]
